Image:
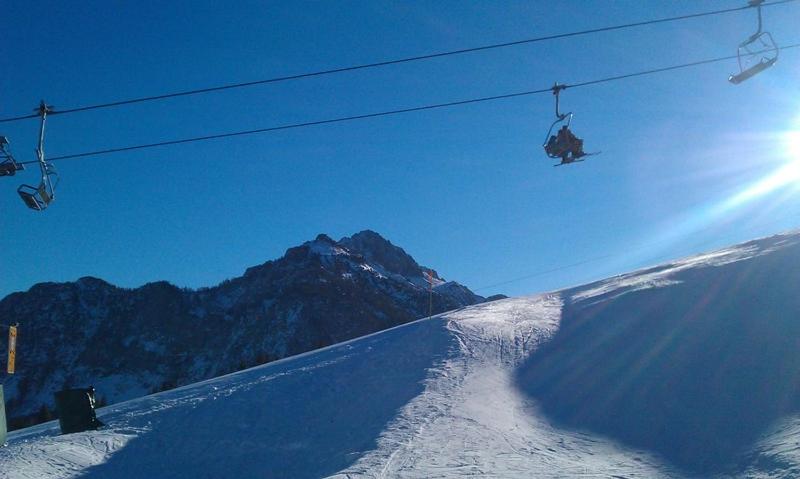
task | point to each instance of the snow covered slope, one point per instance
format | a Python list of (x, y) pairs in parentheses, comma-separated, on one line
[(687, 369)]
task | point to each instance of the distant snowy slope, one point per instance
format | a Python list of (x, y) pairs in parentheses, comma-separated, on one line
[(687, 369)]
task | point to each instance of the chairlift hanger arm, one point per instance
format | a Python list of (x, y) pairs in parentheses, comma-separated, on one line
[(42, 110), (757, 4), (557, 87)]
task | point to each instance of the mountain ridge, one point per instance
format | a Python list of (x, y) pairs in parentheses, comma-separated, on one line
[(132, 341)]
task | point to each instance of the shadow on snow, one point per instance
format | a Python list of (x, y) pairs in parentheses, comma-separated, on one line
[(695, 372), (307, 417)]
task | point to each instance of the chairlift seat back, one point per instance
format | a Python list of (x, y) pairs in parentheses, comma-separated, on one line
[(45, 195), (9, 168), (567, 120), (755, 55), (35, 198)]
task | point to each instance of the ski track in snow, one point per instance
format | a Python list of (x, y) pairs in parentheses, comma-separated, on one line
[(471, 422)]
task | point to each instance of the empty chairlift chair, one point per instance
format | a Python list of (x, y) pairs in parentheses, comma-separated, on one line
[(757, 53), (39, 197)]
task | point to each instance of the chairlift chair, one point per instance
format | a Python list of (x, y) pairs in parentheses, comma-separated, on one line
[(39, 198), (565, 153), (8, 166), (757, 53)]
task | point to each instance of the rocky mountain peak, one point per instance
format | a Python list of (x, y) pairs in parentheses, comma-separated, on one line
[(377, 250), (323, 238)]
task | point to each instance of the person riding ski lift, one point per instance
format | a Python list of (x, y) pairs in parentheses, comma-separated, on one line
[(551, 145), (577, 146), (566, 145)]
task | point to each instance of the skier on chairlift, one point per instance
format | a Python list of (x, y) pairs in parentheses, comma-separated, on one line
[(565, 145)]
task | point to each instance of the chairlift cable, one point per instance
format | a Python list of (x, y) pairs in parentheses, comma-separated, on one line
[(391, 112), (393, 62), (294, 125), (546, 271), (663, 69)]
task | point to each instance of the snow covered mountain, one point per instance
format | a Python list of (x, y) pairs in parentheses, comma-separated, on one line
[(131, 342), (689, 369)]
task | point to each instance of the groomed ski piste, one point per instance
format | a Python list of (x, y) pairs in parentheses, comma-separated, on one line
[(689, 369)]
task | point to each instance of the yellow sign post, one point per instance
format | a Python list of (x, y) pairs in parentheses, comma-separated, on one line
[(12, 348)]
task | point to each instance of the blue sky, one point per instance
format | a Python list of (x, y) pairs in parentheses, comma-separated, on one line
[(466, 190)]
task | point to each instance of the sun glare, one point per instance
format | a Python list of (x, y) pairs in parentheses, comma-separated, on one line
[(787, 174), (793, 145)]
